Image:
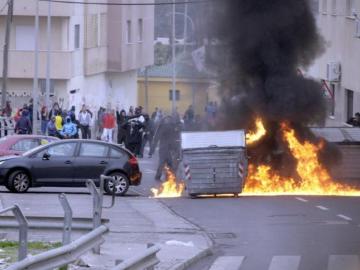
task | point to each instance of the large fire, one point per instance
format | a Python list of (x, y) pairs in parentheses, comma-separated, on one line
[(255, 136), (314, 178), (170, 188)]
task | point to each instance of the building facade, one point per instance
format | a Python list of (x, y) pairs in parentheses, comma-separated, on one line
[(96, 51), (338, 67), (192, 88)]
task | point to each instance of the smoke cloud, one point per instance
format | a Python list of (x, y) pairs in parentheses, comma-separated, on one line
[(257, 48)]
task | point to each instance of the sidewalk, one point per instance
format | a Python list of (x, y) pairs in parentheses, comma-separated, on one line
[(134, 222)]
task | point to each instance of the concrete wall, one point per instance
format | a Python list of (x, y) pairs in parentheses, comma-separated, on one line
[(338, 29)]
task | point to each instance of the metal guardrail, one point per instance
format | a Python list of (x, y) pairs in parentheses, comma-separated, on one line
[(67, 219), (63, 255), (23, 229), (147, 260), (98, 197)]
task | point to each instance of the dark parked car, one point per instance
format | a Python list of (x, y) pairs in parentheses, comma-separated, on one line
[(19, 144), (70, 163)]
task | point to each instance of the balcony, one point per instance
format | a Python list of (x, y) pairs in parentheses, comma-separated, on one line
[(27, 8), (21, 64)]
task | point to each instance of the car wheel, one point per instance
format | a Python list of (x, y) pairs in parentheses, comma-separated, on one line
[(120, 184), (19, 182)]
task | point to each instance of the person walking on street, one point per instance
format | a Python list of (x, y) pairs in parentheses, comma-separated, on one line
[(109, 125), (168, 136), (44, 114), (58, 122), (51, 128), (7, 111), (121, 122), (84, 120), (23, 126)]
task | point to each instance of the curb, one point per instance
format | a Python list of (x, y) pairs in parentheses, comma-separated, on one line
[(184, 265)]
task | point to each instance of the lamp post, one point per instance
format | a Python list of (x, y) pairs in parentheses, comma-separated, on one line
[(48, 57), (173, 59), (36, 72), (173, 49)]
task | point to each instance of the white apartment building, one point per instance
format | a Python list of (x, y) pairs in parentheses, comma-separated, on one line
[(339, 66), (95, 52)]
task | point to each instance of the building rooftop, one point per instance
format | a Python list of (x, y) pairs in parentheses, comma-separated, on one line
[(185, 69)]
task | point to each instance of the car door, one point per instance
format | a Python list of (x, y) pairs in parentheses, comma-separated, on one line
[(56, 168), (91, 161)]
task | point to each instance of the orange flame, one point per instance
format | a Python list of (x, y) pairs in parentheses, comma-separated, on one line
[(315, 179), (170, 188), (254, 136)]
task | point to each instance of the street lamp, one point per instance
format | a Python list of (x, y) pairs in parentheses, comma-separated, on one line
[(173, 49)]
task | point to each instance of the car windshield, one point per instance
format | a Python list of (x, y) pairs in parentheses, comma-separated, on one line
[(34, 150)]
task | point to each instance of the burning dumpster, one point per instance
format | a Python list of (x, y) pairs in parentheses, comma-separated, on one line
[(348, 141), (214, 162)]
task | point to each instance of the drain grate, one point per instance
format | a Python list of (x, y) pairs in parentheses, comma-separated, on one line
[(215, 235)]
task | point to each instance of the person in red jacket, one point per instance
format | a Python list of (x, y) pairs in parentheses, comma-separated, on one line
[(108, 125)]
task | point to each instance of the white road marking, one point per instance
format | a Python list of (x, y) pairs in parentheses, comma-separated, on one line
[(344, 217), (285, 263), (228, 263), (344, 262), (322, 208), (149, 171), (301, 199)]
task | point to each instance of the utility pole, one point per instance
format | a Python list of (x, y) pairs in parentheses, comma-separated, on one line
[(9, 19), (35, 90), (185, 24), (48, 58), (173, 59), (146, 90)]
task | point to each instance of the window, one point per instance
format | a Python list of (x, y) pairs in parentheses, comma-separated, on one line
[(24, 37), (332, 100), (333, 7), (128, 32), (115, 153), (93, 150), (349, 7), (42, 86), (177, 95), (59, 150), (349, 103), (324, 6), (140, 30), (25, 145), (77, 36)]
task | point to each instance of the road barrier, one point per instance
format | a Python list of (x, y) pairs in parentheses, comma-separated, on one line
[(7, 126), (98, 197), (63, 255), (23, 229), (147, 260)]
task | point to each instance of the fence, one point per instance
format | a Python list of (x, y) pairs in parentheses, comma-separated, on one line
[(70, 251), (7, 126)]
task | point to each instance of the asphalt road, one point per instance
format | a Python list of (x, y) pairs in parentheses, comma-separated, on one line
[(275, 233)]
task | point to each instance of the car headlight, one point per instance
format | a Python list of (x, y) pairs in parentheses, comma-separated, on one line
[(2, 162)]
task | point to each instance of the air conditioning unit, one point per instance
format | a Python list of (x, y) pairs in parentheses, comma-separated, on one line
[(333, 72)]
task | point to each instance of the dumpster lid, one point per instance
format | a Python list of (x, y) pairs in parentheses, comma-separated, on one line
[(193, 140), (338, 134)]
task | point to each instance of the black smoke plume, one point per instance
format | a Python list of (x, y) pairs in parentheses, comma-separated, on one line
[(257, 48)]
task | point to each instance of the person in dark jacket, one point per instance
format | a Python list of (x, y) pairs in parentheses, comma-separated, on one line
[(168, 136), (121, 123), (23, 126), (134, 129), (148, 134)]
